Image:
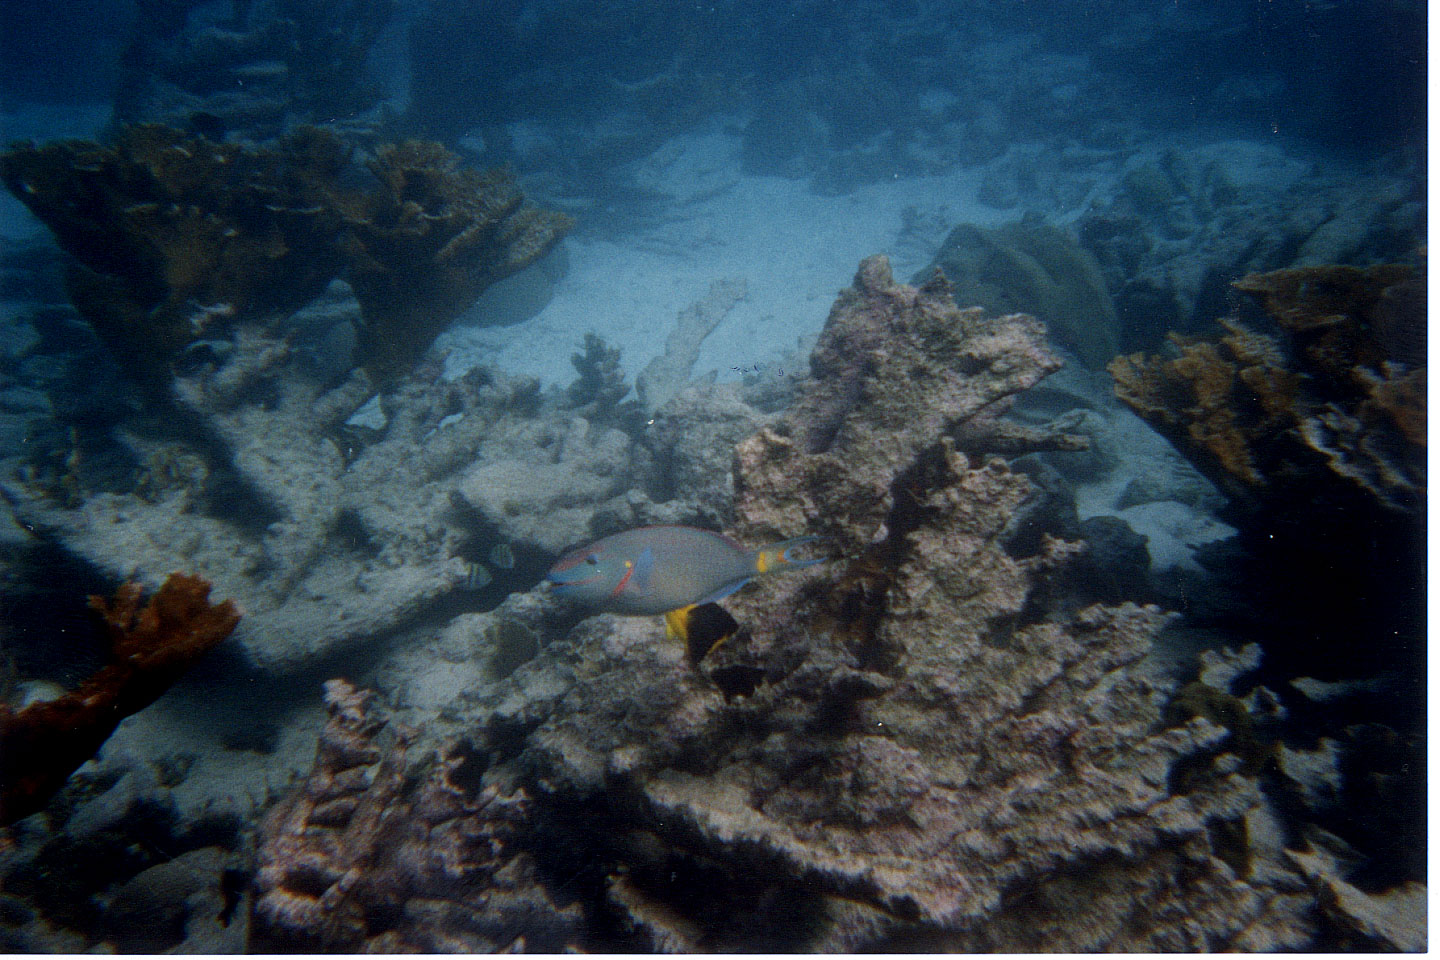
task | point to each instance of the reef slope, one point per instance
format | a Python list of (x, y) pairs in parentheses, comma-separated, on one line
[(916, 746)]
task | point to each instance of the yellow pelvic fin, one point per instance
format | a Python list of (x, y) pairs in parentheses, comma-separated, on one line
[(702, 628), (675, 623)]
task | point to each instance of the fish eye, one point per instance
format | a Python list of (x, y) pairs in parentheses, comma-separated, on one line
[(593, 559)]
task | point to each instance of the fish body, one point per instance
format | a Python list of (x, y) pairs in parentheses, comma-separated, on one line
[(476, 576), (502, 557), (655, 570)]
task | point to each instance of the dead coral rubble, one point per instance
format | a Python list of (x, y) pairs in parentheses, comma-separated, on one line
[(907, 748), (42, 744), (359, 859), (360, 534), (896, 369), (921, 735)]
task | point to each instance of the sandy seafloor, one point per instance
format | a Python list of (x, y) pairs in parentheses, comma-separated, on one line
[(793, 248)]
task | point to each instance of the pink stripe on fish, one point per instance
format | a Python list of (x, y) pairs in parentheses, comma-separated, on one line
[(629, 572)]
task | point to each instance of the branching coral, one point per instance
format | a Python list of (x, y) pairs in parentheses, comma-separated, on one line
[(667, 374), (1341, 396), (176, 235), (172, 234), (150, 647), (428, 243), (1316, 430)]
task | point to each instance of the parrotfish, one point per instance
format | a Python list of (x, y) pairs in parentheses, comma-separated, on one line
[(669, 570)]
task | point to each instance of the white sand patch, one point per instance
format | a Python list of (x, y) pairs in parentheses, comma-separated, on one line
[(794, 249)]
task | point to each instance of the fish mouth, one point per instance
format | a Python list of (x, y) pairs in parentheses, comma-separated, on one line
[(559, 581)]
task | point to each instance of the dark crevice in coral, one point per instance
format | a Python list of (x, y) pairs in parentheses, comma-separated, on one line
[(737, 680), (506, 738), (584, 847), (469, 771), (859, 599), (1230, 841), (835, 716), (351, 534)]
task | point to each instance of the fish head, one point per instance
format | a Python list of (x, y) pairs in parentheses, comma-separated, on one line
[(589, 575)]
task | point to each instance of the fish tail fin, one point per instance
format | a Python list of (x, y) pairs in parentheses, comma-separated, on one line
[(787, 554)]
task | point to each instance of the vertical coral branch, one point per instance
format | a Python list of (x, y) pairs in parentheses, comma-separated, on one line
[(150, 647)]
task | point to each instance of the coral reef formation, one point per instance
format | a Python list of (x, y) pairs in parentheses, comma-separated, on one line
[(172, 234), (1313, 419), (329, 532), (1184, 224), (918, 746), (667, 374), (1343, 395), (425, 245), (359, 859), (176, 236), (1032, 267), (150, 647), (209, 270)]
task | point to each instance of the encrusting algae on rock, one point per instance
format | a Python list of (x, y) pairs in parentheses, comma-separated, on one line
[(920, 747)]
